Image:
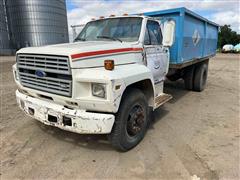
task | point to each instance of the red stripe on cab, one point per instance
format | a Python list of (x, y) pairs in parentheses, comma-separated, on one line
[(110, 51)]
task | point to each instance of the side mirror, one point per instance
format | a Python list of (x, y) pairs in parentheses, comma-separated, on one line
[(168, 33)]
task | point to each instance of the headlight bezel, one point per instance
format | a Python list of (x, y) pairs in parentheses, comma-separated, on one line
[(99, 90)]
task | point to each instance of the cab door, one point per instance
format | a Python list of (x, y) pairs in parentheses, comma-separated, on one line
[(157, 57)]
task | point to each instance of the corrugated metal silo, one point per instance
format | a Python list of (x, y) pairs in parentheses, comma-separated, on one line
[(4, 38), (37, 22)]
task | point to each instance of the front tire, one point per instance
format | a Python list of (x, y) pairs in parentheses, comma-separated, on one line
[(131, 120)]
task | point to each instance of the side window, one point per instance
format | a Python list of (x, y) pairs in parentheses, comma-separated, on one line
[(154, 33), (147, 38)]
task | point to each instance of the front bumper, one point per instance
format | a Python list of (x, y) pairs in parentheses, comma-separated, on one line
[(52, 114)]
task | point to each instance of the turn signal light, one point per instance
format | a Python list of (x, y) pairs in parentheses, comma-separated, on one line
[(109, 64)]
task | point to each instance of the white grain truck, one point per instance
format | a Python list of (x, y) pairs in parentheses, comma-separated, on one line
[(112, 76)]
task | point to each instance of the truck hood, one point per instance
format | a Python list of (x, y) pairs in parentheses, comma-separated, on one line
[(86, 54)]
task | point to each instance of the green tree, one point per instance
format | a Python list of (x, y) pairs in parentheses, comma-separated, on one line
[(227, 36)]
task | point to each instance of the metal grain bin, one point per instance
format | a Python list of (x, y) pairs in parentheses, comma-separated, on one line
[(4, 38), (37, 22)]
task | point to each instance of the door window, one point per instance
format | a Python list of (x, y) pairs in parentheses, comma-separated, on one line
[(153, 34), (147, 40)]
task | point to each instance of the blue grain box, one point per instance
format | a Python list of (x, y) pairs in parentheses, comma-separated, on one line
[(195, 36)]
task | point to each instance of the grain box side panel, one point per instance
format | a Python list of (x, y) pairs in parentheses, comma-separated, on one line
[(211, 40), (193, 38)]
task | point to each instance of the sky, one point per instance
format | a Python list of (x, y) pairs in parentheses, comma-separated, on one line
[(218, 11)]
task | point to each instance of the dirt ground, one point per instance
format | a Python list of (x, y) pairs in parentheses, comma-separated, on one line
[(194, 134)]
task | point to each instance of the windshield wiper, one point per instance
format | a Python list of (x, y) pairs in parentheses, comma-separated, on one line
[(108, 37), (79, 39)]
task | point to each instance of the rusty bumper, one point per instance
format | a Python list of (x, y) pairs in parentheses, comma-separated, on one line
[(74, 120)]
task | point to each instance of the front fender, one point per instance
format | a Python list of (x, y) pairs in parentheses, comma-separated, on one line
[(118, 79), (131, 74)]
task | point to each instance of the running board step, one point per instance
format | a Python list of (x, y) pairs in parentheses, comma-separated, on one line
[(161, 99)]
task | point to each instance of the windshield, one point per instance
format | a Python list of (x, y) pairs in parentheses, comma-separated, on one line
[(113, 29)]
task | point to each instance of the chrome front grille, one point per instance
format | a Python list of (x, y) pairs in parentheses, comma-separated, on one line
[(57, 77), (45, 63)]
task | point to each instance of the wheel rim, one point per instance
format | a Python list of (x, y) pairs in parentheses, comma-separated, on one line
[(135, 122)]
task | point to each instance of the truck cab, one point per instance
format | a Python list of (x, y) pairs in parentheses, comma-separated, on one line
[(107, 82)]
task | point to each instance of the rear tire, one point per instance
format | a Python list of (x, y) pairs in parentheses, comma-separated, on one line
[(200, 77), (189, 77), (131, 121)]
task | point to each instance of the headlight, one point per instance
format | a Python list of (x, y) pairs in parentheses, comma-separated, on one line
[(99, 90)]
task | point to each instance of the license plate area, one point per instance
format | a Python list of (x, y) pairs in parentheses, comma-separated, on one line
[(52, 118)]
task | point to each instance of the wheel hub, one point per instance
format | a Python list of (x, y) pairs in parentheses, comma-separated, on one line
[(135, 120)]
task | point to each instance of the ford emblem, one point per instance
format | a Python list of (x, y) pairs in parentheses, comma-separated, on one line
[(40, 73)]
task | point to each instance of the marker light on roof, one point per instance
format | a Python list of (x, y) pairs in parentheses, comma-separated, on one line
[(101, 17), (125, 14)]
